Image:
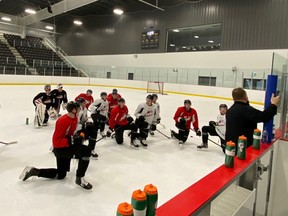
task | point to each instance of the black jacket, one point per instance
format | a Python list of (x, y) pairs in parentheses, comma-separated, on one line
[(242, 119)]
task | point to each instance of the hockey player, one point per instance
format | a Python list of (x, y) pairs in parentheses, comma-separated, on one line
[(146, 119), (66, 145), (88, 97), (155, 98), (98, 113), (60, 96), (215, 128), (120, 121), (46, 99), (183, 117), (87, 127), (113, 99)]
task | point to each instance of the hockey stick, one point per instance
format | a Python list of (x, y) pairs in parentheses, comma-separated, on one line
[(214, 142), (8, 143), (163, 134), (162, 125)]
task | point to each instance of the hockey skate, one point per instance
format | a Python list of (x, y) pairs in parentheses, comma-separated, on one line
[(102, 134), (83, 183), (94, 154), (172, 133), (152, 133), (181, 143), (133, 144), (144, 143), (203, 145), (28, 172)]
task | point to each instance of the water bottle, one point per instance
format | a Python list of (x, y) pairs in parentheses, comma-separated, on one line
[(124, 209), (152, 199), (264, 136), (229, 154), (256, 139), (242, 145), (139, 203)]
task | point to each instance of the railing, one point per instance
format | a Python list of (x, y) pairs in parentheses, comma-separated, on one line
[(14, 70), (69, 60)]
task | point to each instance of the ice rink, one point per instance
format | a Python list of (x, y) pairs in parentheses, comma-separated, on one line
[(119, 169)]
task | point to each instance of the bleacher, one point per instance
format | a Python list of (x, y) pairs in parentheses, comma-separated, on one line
[(38, 56), (8, 62)]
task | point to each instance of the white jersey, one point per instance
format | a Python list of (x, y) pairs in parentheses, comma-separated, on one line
[(82, 118), (221, 125), (100, 106), (157, 110), (149, 112)]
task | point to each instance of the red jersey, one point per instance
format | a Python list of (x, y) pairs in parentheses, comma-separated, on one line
[(113, 102), (64, 128), (118, 116), (89, 99), (190, 116)]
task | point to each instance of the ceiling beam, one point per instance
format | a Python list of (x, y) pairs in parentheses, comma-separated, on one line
[(155, 6), (58, 8)]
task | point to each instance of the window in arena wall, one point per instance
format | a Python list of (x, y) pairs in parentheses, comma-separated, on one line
[(130, 76), (108, 75), (207, 81), (194, 38)]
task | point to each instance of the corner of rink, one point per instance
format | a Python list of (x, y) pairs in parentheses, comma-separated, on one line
[(119, 170)]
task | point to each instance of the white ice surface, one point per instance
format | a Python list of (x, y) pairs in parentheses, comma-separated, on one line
[(119, 170)]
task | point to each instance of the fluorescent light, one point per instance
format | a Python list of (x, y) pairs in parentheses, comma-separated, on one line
[(172, 45), (49, 27), (8, 19), (196, 36), (77, 22), (176, 30), (30, 11), (194, 49), (210, 41), (184, 47), (118, 11)]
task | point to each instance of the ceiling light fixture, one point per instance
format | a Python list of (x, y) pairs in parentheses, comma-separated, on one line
[(30, 11), (172, 45), (8, 19), (176, 30), (184, 47), (118, 11), (49, 27), (196, 36), (210, 41), (77, 22)]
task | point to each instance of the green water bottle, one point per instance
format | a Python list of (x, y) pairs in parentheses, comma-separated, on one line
[(229, 154), (256, 139), (242, 146), (139, 203), (124, 209), (152, 199)]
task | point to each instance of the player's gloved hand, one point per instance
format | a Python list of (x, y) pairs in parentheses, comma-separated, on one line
[(153, 127), (158, 120), (212, 124), (89, 124), (130, 119), (198, 132), (141, 118), (109, 132), (64, 106), (76, 139), (182, 120)]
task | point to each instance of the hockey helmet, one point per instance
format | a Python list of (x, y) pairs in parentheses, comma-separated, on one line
[(155, 95), (72, 105), (59, 86), (89, 91), (187, 101), (103, 94), (149, 97), (121, 100), (80, 100), (115, 91), (223, 106), (47, 87)]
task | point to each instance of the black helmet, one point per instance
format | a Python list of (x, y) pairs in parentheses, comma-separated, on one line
[(150, 97), (121, 100), (89, 91), (80, 100), (72, 105), (155, 95), (114, 91), (223, 106), (103, 94), (187, 101), (47, 87)]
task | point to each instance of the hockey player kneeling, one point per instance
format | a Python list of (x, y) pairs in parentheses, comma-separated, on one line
[(183, 117), (120, 121), (66, 145), (146, 119)]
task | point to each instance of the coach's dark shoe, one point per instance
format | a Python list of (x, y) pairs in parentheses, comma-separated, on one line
[(82, 183)]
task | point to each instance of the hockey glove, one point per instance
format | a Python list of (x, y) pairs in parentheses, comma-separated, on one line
[(76, 140), (130, 119), (141, 118), (158, 120), (109, 132), (89, 125), (212, 124), (153, 127), (198, 132)]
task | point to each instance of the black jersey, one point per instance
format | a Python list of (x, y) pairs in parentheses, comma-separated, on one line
[(59, 96), (48, 100)]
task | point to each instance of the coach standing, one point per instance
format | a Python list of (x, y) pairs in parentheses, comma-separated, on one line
[(242, 119)]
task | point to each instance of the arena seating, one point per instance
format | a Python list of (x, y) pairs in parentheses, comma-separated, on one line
[(8, 62), (38, 56)]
